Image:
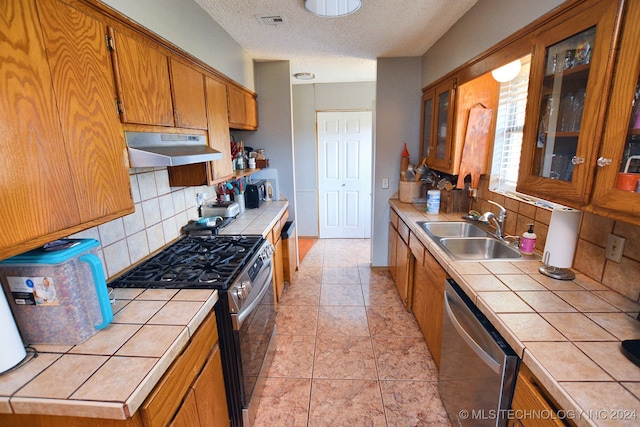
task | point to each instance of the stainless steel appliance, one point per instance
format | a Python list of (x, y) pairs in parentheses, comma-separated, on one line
[(240, 268), (477, 367), (222, 208)]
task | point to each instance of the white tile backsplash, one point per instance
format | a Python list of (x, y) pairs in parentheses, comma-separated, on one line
[(147, 184), (134, 223), (160, 213), (138, 246), (112, 231)]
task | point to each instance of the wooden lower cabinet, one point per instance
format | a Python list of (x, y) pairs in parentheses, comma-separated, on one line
[(428, 296), (400, 259), (530, 406), (191, 393), (278, 253)]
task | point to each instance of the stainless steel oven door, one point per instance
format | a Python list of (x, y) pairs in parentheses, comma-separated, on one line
[(255, 335)]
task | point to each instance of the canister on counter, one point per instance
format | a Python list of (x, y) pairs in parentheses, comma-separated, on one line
[(433, 201)]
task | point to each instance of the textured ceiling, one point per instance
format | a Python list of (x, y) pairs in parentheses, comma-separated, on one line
[(336, 49)]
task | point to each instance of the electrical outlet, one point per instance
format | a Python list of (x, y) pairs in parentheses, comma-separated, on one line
[(385, 183), (615, 247)]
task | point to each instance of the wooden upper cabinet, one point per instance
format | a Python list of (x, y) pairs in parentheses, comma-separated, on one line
[(34, 173), (568, 88), (618, 170), (218, 118), (187, 85), (83, 83), (142, 80), (243, 109), (215, 93), (438, 108)]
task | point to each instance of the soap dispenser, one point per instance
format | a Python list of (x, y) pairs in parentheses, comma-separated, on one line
[(528, 241)]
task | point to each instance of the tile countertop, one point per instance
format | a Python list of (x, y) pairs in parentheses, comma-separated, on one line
[(111, 374), (567, 332)]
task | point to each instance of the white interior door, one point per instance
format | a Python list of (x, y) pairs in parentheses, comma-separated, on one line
[(344, 172)]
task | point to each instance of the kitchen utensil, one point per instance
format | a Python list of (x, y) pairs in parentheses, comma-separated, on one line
[(474, 151)]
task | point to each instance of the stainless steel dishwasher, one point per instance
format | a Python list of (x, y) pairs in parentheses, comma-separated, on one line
[(477, 368)]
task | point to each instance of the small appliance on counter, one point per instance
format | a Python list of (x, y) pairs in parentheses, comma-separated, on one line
[(254, 194), (58, 293), (222, 208)]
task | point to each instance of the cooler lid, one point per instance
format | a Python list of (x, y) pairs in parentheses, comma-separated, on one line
[(53, 255)]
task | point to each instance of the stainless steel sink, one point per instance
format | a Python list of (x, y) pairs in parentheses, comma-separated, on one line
[(452, 229), (478, 248)]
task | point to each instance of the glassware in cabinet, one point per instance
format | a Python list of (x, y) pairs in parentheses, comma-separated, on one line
[(567, 90)]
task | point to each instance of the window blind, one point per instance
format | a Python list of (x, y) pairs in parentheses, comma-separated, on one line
[(509, 124)]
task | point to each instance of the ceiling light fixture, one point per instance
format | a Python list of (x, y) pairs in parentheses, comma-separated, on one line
[(332, 8), (304, 76), (507, 72)]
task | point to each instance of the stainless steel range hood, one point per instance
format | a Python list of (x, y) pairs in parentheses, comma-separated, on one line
[(168, 149)]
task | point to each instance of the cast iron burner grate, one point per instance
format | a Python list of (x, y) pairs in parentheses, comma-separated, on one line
[(208, 262)]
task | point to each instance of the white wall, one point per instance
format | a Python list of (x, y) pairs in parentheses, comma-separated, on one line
[(483, 26), (397, 120), (185, 24), (307, 100)]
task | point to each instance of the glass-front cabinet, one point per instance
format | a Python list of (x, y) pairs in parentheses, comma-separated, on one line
[(618, 165), (437, 126), (563, 122)]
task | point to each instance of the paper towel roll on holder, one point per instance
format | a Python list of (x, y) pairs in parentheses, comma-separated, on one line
[(555, 272), (560, 246)]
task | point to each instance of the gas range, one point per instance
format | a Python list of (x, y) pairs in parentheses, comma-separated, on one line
[(194, 262)]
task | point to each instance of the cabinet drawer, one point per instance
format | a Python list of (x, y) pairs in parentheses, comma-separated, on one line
[(393, 218), (167, 397), (416, 249), (403, 231)]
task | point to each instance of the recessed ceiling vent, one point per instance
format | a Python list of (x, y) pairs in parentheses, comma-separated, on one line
[(273, 20)]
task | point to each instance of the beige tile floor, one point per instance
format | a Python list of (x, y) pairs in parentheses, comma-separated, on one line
[(348, 353)]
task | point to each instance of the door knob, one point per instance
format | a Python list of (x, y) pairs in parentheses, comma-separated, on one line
[(603, 161)]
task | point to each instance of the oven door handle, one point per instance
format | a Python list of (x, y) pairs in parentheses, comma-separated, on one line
[(239, 318)]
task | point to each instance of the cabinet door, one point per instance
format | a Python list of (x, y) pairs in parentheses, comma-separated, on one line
[(218, 118), (404, 272), (83, 83), (187, 415), (187, 85), (442, 134), (427, 123), (35, 178), (278, 267), (616, 184), (210, 395), (242, 109), (568, 78), (435, 305), (142, 79)]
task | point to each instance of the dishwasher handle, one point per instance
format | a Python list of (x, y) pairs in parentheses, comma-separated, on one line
[(477, 349)]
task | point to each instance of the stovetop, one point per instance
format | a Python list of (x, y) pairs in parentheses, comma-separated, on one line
[(193, 262)]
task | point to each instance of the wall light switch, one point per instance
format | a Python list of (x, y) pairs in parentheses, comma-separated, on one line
[(385, 183), (615, 247)]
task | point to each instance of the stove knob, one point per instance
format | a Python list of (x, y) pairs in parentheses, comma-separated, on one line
[(242, 291)]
